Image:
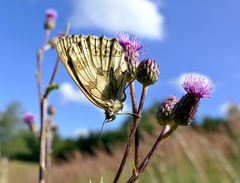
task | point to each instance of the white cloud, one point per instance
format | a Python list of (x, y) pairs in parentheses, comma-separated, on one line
[(177, 82), (69, 94), (224, 108), (138, 17)]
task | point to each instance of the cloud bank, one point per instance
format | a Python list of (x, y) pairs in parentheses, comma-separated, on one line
[(69, 94), (138, 17)]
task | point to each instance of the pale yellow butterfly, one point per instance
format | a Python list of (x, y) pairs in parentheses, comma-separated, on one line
[(97, 65)]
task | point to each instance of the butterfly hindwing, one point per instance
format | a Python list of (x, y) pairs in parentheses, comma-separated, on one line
[(97, 66)]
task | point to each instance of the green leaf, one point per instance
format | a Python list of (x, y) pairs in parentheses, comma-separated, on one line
[(50, 89)]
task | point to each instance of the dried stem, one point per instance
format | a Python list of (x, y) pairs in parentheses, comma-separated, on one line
[(54, 72), (166, 131), (134, 110), (42, 166), (43, 99), (50, 134), (132, 134), (40, 55)]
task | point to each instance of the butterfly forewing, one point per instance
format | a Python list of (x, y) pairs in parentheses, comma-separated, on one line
[(97, 66)]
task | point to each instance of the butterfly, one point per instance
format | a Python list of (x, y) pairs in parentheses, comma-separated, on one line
[(97, 65)]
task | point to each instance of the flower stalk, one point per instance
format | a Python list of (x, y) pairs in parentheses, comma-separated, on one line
[(134, 110), (43, 111), (132, 134), (166, 131)]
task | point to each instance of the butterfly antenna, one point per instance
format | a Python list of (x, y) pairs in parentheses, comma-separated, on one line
[(129, 84), (100, 137)]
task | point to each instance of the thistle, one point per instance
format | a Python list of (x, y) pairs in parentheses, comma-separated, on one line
[(131, 48), (197, 87), (29, 119), (164, 114), (148, 72), (51, 17)]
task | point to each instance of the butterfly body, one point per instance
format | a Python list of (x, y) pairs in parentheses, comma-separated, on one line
[(97, 65)]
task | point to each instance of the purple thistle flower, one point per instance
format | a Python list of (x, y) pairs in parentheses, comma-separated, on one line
[(128, 44), (198, 85), (52, 14), (131, 48), (51, 17), (28, 118)]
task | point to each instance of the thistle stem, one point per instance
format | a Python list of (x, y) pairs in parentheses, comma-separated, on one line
[(166, 131), (43, 109), (40, 55), (134, 110), (131, 134), (42, 166), (54, 72), (49, 147)]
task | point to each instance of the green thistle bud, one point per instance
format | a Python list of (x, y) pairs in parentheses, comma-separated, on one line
[(148, 72), (164, 114), (51, 110)]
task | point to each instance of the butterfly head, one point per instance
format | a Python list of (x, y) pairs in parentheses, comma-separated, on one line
[(112, 110)]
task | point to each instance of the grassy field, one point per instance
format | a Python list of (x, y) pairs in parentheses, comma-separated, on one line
[(189, 156)]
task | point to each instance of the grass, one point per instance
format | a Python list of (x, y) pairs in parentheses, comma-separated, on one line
[(188, 156)]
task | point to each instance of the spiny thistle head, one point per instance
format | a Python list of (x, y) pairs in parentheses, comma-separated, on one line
[(131, 47), (28, 118), (164, 114), (127, 43), (148, 72), (197, 87), (51, 17)]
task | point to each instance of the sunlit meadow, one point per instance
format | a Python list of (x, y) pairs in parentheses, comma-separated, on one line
[(119, 91)]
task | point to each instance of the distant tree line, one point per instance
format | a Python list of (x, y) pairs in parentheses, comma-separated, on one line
[(17, 142)]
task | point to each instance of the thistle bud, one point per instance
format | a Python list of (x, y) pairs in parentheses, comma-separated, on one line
[(131, 48), (132, 62), (51, 17), (51, 110), (29, 119), (148, 72), (197, 87), (164, 114)]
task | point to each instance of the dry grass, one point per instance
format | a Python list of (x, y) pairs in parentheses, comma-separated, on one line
[(188, 156)]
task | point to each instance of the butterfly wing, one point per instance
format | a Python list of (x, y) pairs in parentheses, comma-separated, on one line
[(97, 66)]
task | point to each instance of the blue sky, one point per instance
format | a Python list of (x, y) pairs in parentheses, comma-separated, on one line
[(183, 36)]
